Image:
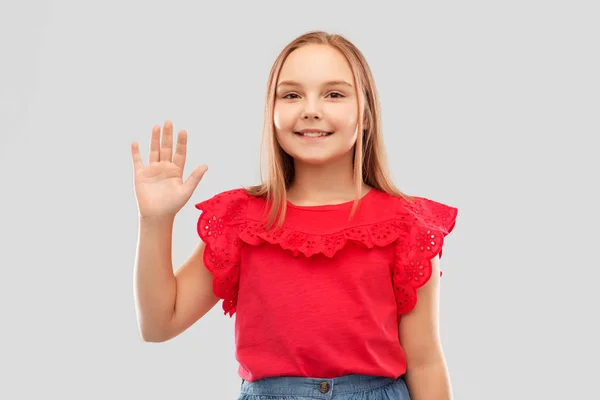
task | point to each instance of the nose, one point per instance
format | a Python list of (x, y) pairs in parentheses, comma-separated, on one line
[(311, 110), (308, 115)]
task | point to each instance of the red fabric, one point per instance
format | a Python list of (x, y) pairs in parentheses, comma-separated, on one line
[(323, 296)]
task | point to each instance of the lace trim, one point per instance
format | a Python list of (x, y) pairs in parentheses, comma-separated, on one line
[(381, 234), (218, 227), (418, 231), (430, 223)]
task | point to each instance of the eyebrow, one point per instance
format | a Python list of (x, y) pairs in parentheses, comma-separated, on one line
[(294, 83)]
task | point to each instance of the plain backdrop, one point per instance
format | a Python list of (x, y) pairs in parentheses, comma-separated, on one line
[(492, 107)]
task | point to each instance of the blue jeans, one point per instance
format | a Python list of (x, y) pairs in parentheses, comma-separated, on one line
[(349, 387)]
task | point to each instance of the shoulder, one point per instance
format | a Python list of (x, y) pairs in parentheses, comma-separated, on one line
[(429, 213), (418, 210), (228, 200), (224, 198), (227, 208)]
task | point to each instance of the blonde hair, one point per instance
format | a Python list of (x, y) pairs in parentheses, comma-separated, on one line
[(370, 165)]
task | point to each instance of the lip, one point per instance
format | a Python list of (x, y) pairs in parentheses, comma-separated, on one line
[(300, 135), (312, 131)]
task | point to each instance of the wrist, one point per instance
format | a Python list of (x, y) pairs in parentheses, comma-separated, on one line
[(156, 219)]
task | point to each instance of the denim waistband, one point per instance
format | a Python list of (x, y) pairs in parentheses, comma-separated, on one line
[(314, 387)]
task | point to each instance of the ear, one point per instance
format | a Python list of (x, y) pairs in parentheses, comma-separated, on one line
[(366, 123)]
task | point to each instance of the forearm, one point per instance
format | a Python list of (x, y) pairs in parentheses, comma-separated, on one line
[(429, 382), (155, 284)]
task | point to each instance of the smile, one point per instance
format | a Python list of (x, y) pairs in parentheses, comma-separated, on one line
[(313, 134)]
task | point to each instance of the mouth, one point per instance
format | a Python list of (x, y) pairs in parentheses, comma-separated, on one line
[(313, 134)]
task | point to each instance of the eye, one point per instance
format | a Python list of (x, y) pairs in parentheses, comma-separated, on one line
[(336, 95), (290, 94)]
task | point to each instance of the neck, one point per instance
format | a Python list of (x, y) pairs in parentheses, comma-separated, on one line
[(329, 183)]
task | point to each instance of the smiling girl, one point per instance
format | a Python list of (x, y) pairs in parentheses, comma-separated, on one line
[(332, 272)]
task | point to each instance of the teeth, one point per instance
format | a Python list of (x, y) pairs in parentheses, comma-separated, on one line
[(315, 134)]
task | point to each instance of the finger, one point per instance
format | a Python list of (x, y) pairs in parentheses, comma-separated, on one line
[(180, 150), (155, 144), (166, 149), (195, 177), (135, 155)]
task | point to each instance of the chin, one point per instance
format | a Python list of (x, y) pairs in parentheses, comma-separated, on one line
[(316, 152), (313, 160), (318, 158)]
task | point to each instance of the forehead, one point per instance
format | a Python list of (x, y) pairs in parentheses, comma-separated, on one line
[(313, 64)]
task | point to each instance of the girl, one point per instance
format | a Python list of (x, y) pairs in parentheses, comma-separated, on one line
[(322, 263)]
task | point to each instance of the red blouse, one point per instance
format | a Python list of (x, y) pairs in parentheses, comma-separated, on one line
[(322, 296)]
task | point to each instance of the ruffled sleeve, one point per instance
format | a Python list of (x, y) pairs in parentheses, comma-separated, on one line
[(222, 217), (424, 224)]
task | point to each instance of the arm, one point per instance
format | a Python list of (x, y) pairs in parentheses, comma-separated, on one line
[(427, 376), (168, 303)]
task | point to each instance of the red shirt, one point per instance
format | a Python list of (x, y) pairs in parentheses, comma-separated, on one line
[(323, 296)]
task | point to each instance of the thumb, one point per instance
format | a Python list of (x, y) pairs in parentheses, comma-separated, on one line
[(195, 177)]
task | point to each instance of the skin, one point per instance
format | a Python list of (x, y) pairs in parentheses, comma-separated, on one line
[(166, 303), (427, 373), (307, 97)]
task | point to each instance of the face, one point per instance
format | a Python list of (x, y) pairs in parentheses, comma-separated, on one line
[(316, 105)]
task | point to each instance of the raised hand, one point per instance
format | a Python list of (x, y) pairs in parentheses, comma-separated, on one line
[(159, 187)]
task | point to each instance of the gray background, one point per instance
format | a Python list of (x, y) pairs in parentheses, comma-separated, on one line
[(488, 106)]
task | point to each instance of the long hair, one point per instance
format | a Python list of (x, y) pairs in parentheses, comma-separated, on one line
[(370, 165)]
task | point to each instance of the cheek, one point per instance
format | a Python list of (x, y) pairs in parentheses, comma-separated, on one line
[(346, 121), (283, 118)]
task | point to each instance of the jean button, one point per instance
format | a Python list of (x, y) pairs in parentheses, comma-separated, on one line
[(324, 387)]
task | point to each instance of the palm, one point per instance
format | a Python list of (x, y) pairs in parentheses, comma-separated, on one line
[(159, 187)]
